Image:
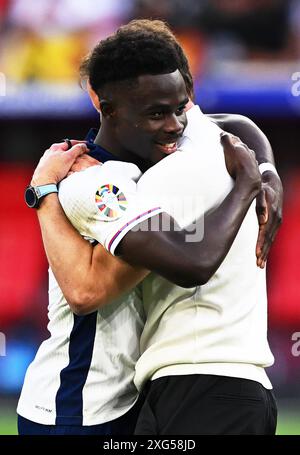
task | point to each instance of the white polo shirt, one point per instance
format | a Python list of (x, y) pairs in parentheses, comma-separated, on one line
[(219, 328)]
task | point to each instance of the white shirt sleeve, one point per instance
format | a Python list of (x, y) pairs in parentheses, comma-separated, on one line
[(103, 204)]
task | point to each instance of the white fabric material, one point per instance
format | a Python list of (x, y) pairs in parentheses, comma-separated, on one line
[(219, 328), (263, 167), (77, 197), (109, 391)]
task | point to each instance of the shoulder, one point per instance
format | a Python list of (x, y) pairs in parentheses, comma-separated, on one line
[(225, 120), (82, 192), (241, 126), (111, 172)]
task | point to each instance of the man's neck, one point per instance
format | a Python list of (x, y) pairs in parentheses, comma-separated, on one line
[(106, 140), (103, 140)]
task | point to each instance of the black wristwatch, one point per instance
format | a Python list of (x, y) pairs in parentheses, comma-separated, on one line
[(34, 194)]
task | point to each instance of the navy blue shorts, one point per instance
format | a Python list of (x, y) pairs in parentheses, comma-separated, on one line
[(124, 425)]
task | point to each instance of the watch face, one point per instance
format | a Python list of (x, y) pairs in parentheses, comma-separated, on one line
[(30, 197)]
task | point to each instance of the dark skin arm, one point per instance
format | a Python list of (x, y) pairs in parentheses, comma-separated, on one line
[(187, 263), (248, 132), (270, 199)]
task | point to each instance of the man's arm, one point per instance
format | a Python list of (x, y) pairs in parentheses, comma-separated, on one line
[(88, 276), (248, 132), (186, 263), (270, 199)]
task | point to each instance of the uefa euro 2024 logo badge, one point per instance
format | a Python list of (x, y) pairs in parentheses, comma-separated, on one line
[(111, 202)]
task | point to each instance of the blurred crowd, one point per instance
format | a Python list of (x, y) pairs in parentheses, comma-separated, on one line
[(45, 40)]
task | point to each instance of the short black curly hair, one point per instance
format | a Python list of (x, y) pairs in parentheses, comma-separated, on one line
[(126, 55), (157, 27)]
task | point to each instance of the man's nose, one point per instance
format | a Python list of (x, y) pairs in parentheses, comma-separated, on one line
[(173, 125)]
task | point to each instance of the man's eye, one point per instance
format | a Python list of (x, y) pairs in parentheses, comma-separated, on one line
[(180, 110), (156, 115)]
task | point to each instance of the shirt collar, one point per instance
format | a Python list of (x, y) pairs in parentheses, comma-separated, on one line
[(96, 151)]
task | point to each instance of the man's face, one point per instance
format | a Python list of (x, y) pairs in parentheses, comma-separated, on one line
[(150, 117)]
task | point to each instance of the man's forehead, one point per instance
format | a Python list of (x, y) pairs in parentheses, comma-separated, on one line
[(159, 81), (151, 88)]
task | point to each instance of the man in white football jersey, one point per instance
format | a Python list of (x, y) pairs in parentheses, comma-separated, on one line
[(191, 272)]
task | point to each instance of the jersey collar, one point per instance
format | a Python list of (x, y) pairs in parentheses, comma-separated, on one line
[(96, 151)]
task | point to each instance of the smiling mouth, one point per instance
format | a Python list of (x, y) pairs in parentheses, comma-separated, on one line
[(171, 147)]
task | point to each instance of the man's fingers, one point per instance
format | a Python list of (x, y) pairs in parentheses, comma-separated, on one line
[(75, 142), (268, 230), (262, 208), (225, 138), (229, 139), (260, 240), (261, 263), (86, 158), (264, 222), (63, 146), (77, 150), (71, 142), (264, 243), (268, 243)]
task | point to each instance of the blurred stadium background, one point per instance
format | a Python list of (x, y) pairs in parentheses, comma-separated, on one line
[(245, 57)]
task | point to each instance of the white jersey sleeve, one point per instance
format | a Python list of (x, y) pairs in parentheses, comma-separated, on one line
[(102, 202)]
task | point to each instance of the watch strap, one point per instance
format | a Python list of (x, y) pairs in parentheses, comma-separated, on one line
[(34, 194), (43, 190)]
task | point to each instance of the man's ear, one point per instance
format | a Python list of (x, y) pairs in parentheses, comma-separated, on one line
[(106, 108), (103, 106), (93, 96)]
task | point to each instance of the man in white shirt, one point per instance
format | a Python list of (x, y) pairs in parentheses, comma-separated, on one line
[(190, 272)]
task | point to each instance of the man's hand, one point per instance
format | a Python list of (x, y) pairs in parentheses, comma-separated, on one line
[(240, 161), (56, 162), (269, 213), (83, 162)]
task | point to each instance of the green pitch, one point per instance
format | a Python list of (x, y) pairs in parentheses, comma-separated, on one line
[(8, 421), (288, 423)]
